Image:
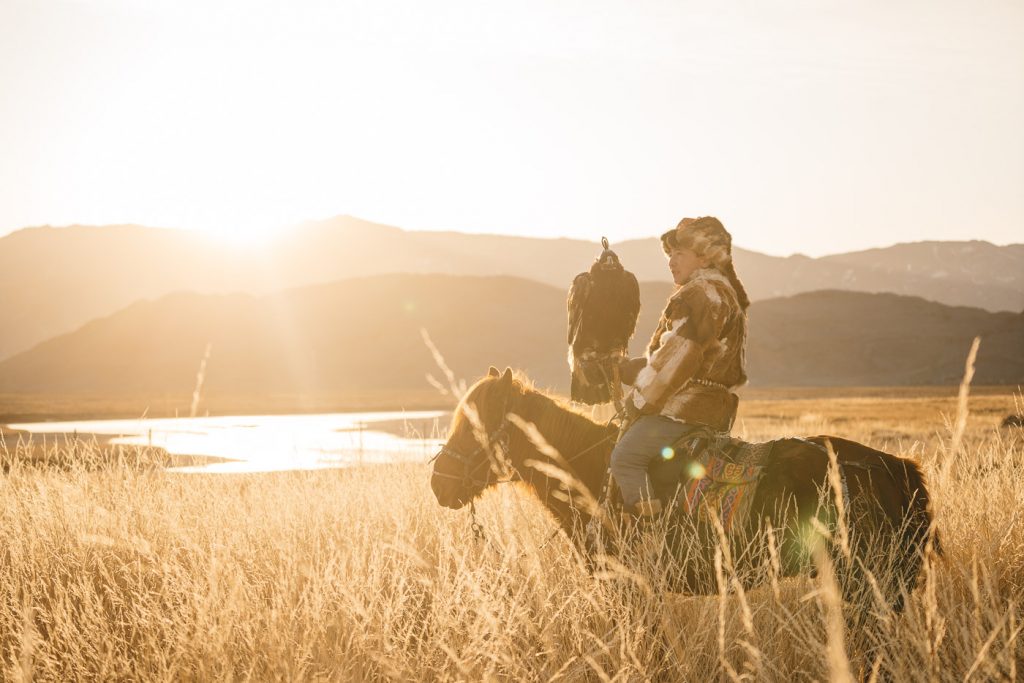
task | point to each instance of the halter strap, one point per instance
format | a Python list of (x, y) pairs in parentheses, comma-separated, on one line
[(500, 436)]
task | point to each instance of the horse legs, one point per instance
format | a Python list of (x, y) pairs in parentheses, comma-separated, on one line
[(875, 577), (888, 535)]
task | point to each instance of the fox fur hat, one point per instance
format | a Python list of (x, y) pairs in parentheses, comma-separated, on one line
[(708, 238), (705, 236)]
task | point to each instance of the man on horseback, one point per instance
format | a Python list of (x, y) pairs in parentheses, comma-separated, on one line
[(694, 361), (803, 486)]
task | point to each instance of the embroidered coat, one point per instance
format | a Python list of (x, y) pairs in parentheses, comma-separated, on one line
[(696, 357)]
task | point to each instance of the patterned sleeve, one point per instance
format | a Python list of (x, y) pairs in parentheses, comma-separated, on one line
[(698, 316)]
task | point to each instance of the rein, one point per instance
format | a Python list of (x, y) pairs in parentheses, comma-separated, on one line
[(500, 437)]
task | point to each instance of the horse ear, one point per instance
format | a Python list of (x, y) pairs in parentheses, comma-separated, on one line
[(492, 371), (507, 375)]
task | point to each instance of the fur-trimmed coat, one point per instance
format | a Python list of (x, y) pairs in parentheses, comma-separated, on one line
[(696, 357)]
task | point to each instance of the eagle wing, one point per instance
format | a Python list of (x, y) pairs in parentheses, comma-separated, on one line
[(631, 297), (579, 292)]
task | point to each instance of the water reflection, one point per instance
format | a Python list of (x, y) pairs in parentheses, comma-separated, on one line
[(268, 443)]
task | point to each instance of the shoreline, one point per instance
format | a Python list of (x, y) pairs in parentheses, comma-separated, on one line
[(61, 444), (60, 448), (31, 408)]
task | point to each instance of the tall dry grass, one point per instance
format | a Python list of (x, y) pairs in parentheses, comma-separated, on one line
[(113, 570)]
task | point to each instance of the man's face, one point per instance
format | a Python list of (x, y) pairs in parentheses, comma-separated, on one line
[(682, 262)]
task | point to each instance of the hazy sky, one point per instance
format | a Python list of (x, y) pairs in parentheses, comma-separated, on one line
[(811, 126)]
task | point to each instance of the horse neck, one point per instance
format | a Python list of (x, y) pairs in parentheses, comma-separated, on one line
[(577, 439)]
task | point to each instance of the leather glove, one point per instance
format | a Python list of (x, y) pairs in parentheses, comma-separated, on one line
[(629, 368)]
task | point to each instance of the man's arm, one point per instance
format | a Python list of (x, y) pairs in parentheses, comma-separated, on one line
[(700, 319)]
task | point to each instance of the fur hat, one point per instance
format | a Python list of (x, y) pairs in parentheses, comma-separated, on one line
[(708, 238), (705, 236)]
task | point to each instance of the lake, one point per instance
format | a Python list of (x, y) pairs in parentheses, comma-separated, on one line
[(269, 443)]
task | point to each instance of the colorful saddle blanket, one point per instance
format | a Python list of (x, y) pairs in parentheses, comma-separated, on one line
[(721, 475)]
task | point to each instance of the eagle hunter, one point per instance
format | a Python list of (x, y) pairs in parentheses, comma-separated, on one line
[(603, 307)]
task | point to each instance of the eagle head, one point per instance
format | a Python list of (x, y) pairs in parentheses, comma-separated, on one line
[(608, 260)]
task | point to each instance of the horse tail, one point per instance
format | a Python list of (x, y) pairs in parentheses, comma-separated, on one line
[(918, 529)]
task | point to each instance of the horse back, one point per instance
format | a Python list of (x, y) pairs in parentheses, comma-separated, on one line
[(886, 487)]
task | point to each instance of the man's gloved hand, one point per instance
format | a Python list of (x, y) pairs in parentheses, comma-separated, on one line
[(631, 412), (629, 368)]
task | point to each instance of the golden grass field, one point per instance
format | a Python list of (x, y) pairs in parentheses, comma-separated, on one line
[(115, 570)]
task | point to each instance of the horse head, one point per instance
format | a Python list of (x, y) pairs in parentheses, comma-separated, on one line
[(476, 453)]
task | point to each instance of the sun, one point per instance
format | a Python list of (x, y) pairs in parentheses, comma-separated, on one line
[(248, 235)]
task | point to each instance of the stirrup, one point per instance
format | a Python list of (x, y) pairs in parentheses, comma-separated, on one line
[(650, 507), (644, 515)]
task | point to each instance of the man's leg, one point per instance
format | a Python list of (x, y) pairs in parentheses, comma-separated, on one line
[(632, 455)]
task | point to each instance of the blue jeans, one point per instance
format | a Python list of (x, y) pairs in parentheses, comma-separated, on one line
[(642, 442)]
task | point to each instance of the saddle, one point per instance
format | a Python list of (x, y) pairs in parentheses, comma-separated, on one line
[(713, 474)]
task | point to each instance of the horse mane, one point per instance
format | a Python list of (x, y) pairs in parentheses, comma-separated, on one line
[(554, 416), (551, 415)]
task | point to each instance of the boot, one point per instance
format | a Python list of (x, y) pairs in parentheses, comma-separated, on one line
[(644, 514), (649, 510), (640, 522)]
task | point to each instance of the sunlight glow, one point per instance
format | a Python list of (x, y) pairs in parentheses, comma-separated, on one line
[(265, 443), (493, 118), (244, 234)]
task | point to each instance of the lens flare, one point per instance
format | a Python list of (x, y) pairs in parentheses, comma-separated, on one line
[(667, 453), (696, 470)]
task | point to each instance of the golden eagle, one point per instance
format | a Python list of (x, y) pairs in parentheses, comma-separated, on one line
[(603, 306)]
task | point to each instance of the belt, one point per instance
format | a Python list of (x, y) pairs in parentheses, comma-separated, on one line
[(709, 383)]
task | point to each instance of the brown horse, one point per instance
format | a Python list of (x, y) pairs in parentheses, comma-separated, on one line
[(888, 522)]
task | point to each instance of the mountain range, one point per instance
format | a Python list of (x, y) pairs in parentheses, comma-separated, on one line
[(365, 333), (54, 280)]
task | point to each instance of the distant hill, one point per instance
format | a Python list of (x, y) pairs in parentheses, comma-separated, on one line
[(363, 333), (975, 262), (357, 333), (850, 338), (53, 280)]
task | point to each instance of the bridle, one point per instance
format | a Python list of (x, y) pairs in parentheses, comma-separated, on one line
[(499, 438)]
